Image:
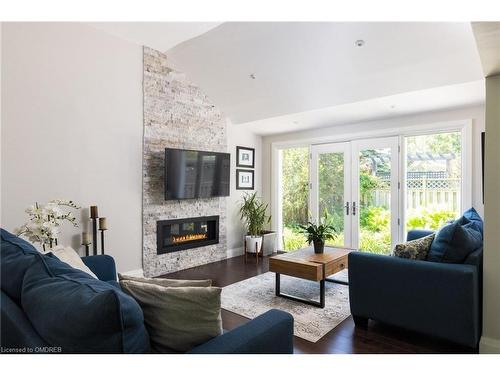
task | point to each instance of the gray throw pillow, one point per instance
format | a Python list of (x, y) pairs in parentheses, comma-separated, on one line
[(166, 282), (416, 249), (179, 318)]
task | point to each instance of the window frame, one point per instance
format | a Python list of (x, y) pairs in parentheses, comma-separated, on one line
[(462, 126)]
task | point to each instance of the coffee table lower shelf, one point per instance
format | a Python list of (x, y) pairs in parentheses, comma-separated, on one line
[(320, 303)]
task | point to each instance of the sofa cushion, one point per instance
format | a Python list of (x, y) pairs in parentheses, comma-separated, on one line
[(415, 249), (16, 257), (74, 311), (454, 242), (472, 219), (166, 282), (177, 318)]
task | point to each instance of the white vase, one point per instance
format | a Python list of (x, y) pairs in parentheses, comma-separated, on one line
[(253, 243), (269, 243)]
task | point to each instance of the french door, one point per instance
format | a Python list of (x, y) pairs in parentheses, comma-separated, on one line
[(357, 184)]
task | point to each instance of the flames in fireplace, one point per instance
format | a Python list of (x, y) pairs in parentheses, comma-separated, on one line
[(188, 237), (187, 233)]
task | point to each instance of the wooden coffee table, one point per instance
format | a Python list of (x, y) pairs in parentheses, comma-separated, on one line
[(305, 264)]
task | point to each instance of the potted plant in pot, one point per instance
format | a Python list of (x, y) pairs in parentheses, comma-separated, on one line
[(318, 234), (254, 213)]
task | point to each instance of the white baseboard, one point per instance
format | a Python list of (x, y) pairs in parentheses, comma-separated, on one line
[(235, 252), (488, 345), (137, 273)]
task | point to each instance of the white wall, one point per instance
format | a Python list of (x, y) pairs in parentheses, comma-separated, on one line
[(72, 128), (236, 136), (490, 342), (475, 113)]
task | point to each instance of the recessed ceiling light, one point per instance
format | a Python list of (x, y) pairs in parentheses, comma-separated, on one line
[(252, 76), (359, 43)]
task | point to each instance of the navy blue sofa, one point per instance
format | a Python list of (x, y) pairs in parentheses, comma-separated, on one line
[(49, 307), (439, 299)]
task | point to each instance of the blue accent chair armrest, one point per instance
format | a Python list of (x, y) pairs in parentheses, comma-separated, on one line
[(103, 266), (439, 299), (418, 233), (269, 333)]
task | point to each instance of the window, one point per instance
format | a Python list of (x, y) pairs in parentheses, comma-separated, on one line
[(295, 195), (433, 179), (430, 184)]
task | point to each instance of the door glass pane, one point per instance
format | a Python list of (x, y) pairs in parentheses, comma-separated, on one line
[(433, 180), (295, 195), (331, 192), (375, 200)]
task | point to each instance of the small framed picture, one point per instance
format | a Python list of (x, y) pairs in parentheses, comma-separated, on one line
[(245, 157), (244, 179)]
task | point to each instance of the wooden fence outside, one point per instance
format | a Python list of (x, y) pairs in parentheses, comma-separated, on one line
[(422, 190)]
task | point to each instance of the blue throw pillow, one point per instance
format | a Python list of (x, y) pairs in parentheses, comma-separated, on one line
[(71, 310), (454, 242), (474, 220), (16, 256)]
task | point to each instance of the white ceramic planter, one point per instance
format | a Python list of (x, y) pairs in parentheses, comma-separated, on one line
[(253, 243), (269, 243)]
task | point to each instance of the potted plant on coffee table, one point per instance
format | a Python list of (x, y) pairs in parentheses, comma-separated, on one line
[(318, 234), (254, 213)]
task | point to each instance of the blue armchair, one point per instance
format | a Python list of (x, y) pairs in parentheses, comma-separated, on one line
[(103, 266), (439, 299)]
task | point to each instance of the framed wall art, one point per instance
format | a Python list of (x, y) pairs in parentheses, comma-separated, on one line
[(245, 157), (244, 179)]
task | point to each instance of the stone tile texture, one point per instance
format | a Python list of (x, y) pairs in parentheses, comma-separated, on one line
[(177, 114)]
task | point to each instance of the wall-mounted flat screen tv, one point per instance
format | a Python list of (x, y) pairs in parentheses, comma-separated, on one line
[(193, 174)]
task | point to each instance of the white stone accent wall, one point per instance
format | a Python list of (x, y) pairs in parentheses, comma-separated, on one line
[(177, 114)]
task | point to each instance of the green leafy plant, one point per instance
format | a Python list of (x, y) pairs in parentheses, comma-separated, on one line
[(254, 213), (322, 232), (375, 242), (293, 239), (295, 174), (424, 218), (375, 219)]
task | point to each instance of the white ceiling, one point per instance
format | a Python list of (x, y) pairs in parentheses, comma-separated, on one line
[(158, 35), (435, 99), (304, 67), (488, 43)]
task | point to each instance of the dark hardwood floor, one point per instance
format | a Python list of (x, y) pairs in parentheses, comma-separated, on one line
[(345, 338)]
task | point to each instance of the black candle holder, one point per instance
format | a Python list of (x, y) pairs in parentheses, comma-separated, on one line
[(87, 245), (94, 216), (102, 240), (102, 227), (94, 235)]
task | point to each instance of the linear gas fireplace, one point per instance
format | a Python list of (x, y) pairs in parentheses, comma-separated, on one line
[(182, 234)]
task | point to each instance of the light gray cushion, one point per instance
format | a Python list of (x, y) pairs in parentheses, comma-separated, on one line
[(166, 282), (416, 249), (177, 318), (69, 256)]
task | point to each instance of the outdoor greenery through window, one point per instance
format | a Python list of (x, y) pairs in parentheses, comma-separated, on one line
[(375, 200), (331, 192), (295, 205), (433, 190), (434, 175)]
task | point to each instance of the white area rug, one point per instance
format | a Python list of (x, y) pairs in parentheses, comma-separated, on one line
[(255, 296)]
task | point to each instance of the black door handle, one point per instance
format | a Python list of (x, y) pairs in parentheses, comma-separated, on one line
[(347, 208), (354, 208)]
